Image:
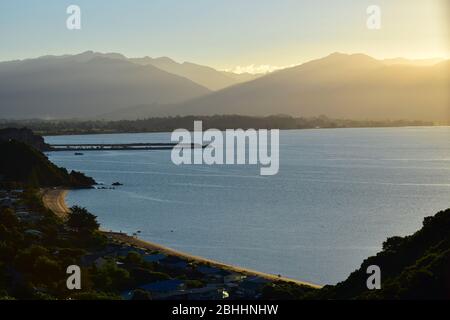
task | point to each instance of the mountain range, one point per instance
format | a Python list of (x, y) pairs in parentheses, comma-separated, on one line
[(112, 86), (205, 76), (85, 85)]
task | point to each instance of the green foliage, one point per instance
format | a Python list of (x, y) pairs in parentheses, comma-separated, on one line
[(284, 291), (6, 252), (412, 267), (34, 267), (82, 220), (40, 266), (26, 165), (8, 218), (31, 197), (134, 257), (140, 294), (192, 284), (80, 180), (94, 295), (24, 135), (143, 275), (47, 270), (110, 277), (26, 258), (392, 244)]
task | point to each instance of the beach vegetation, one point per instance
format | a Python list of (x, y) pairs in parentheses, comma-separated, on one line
[(140, 294), (82, 220)]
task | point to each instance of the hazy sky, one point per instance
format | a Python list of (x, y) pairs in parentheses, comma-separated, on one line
[(226, 33)]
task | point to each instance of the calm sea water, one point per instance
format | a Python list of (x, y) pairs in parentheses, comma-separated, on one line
[(339, 194)]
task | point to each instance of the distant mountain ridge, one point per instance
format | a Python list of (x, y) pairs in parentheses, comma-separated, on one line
[(85, 85), (340, 86), (414, 62), (205, 76), (113, 87)]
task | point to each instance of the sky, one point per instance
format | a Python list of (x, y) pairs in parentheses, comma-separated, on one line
[(227, 34)]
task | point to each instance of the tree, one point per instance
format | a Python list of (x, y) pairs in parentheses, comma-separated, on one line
[(94, 295), (47, 270), (140, 294), (8, 218), (25, 260), (82, 220), (392, 243), (110, 277), (134, 257)]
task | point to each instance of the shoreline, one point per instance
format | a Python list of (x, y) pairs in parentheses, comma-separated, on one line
[(54, 200), (285, 129)]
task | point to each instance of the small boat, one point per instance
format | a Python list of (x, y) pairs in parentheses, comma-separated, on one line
[(79, 153)]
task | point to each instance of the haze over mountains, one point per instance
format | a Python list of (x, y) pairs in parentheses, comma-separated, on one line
[(205, 76), (415, 62), (85, 85), (111, 86), (339, 86)]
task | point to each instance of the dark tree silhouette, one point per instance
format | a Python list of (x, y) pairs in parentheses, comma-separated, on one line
[(82, 220)]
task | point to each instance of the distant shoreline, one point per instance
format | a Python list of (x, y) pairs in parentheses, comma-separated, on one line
[(139, 132), (220, 122), (54, 200)]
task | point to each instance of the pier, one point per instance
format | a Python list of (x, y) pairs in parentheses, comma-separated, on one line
[(122, 146)]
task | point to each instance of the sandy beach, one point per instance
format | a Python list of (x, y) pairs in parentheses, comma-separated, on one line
[(54, 199)]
